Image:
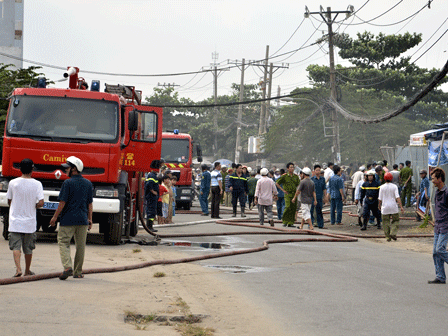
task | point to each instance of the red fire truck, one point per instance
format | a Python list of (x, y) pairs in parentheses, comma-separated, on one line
[(177, 152), (116, 137)]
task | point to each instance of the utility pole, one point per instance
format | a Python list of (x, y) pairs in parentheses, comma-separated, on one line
[(268, 102), (167, 85), (240, 115), (279, 91), (327, 17), (262, 128), (264, 111), (215, 94), (215, 72)]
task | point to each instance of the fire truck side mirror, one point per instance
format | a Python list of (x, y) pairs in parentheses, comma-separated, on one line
[(133, 120), (199, 152)]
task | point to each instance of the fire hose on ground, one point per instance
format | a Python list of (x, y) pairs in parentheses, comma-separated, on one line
[(318, 237)]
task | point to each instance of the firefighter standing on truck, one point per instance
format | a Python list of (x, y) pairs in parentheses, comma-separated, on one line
[(239, 189), (151, 197)]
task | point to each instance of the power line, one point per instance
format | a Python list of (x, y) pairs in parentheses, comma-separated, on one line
[(302, 47), (357, 11), (430, 46), (295, 31), (145, 75), (227, 104), (395, 23), (429, 38), (376, 17), (353, 117)]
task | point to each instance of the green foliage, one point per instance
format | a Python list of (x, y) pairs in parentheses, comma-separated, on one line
[(381, 52), (199, 121), (380, 81), (288, 140)]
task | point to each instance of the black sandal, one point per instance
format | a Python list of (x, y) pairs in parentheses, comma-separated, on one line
[(78, 276), (66, 274)]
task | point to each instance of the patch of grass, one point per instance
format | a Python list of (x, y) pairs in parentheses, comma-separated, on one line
[(425, 222), (136, 250), (138, 320), (183, 324), (190, 319), (159, 275), (190, 330), (182, 305)]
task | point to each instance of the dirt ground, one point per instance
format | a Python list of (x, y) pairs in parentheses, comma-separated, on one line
[(182, 290), (99, 303), (406, 227)]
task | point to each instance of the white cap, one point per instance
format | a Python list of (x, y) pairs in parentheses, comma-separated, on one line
[(249, 169), (362, 168), (74, 161), (306, 171), (264, 171)]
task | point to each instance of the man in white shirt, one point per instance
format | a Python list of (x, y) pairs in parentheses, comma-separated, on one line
[(387, 204), (265, 193), (24, 195), (328, 173), (356, 177), (216, 189)]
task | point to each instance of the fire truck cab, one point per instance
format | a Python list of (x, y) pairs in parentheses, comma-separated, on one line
[(177, 152), (115, 136)]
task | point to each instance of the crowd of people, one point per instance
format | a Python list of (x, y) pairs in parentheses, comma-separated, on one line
[(376, 192), (244, 186)]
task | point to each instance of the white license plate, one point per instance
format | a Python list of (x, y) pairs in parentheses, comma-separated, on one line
[(184, 198), (50, 205)]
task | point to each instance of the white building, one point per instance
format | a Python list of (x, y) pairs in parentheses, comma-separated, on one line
[(11, 32)]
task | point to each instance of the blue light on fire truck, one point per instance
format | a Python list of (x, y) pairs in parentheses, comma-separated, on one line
[(176, 131), (41, 82), (95, 86)]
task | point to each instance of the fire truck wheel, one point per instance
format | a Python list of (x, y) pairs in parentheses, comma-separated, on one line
[(112, 236), (5, 226)]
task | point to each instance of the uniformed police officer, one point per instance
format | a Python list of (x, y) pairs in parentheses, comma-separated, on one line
[(288, 183), (239, 189), (370, 191)]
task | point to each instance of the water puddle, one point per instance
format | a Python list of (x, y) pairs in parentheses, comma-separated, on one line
[(216, 246), (237, 268)]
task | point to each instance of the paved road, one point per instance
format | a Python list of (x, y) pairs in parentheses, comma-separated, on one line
[(312, 288), (361, 288)]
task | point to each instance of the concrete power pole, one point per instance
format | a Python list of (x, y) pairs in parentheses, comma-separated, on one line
[(215, 71), (268, 102), (262, 128), (327, 17), (215, 110), (240, 115), (264, 113)]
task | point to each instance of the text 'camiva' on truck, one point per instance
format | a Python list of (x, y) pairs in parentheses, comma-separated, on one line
[(177, 151), (116, 137)]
